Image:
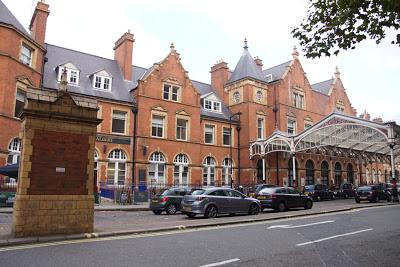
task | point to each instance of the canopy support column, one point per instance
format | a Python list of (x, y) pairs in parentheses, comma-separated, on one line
[(294, 170), (394, 195), (263, 170)]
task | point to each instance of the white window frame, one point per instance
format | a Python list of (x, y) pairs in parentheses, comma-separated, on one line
[(69, 75), (119, 117), (157, 160), (227, 171), (14, 151), (260, 128), (307, 124), (213, 106), (21, 97), (102, 83), (298, 99), (181, 166), (26, 59), (170, 91), (294, 126), (179, 129), (158, 125), (229, 130), (209, 171), (213, 133), (118, 157)]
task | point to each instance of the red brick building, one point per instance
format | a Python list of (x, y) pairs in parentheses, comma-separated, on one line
[(159, 126)]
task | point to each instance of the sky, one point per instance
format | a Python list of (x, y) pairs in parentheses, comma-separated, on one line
[(207, 31)]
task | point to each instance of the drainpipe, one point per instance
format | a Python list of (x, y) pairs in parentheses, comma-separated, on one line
[(135, 112)]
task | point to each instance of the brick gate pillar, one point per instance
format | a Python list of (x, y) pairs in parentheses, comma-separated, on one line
[(55, 183)]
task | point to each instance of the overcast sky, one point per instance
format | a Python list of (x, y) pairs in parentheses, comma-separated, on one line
[(208, 30)]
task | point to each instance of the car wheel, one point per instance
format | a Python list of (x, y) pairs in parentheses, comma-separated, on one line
[(171, 209), (346, 196), (308, 205), (157, 212), (191, 215), (281, 206), (376, 199), (211, 212), (254, 209), (389, 199)]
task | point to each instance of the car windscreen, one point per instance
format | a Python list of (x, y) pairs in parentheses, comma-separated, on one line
[(198, 192), (167, 192), (308, 188), (364, 188), (268, 190)]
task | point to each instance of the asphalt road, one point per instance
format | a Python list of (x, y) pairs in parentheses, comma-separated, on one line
[(365, 237)]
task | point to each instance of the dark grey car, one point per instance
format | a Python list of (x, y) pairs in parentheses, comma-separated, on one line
[(213, 201)]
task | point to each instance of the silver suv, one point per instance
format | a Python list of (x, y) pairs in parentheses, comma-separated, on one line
[(214, 201)]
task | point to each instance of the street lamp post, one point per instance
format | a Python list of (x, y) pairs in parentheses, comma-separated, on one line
[(230, 144)]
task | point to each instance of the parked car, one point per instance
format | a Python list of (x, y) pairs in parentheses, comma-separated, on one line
[(318, 192), (283, 198), (259, 187), (213, 201), (372, 193), (168, 200), (346, 190)]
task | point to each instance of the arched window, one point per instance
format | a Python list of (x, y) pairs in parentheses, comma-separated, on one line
[(226, 171), (14, 151), (157, 168), (367, 176), (338, 173), (116, 169), (181, 170), (350, 173), (260, 171), (310, 172), (209, 171), (325, 173), (290, 172), (374, 176)]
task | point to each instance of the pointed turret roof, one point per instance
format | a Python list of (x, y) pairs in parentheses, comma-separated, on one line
[(7, 17), (246, 67)]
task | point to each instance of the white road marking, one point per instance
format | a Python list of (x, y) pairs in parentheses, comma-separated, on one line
[(284, 226), (220, 263), (332, 237)]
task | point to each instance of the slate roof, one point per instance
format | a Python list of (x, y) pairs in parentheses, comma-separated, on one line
[(276, 71), (7, 17), (323, 87), (88, 65), (246, 68)]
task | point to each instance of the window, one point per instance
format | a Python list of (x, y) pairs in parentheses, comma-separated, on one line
[(181, 129), (350, 173), (260, 128), (340, 108), (26, 55), (226, 171), (298, 99), (118, 121), (291, 126), (338, 173), (102, 83), (157, 126), (157, 168), (269, 78), (116, 169), (325, 173), (212, 105), (171, 92), (209, 134), (181, 170), (226, 136), (307, 124), (310, 172), (19, 103), (14, 151), (208, 171), (73, 76)]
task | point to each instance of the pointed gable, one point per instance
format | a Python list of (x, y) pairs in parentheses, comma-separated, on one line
[(246, 68)]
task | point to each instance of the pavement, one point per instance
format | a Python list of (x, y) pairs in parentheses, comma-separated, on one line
[(113, 220)]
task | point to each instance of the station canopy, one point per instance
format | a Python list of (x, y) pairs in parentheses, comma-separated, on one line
[(337, 135)]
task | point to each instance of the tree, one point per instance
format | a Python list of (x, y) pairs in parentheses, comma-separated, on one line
[(332, 25)]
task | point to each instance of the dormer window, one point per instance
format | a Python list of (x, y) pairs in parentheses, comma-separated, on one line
[(72, 73), (268, 78), (212, 105), (102, 82)]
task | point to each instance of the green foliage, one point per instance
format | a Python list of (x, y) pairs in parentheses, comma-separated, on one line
[(332, 25)]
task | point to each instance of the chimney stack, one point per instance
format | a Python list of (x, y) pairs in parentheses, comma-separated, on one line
[(123, 54), (39, 21), (258, 62), (219, 77)]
